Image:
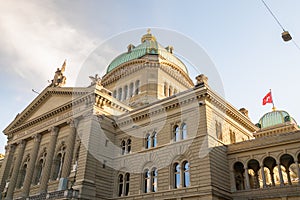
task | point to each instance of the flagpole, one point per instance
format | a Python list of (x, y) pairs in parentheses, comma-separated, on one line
[(272, 101)]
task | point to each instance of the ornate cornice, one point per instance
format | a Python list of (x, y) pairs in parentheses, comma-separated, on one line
[(133, 66), (198, 94), (82, 99), (264, 142), (275, 130), (161, 106), (230, 110), (46, 93)]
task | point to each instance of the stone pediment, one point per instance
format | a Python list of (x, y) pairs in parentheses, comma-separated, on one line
[(49, 99)]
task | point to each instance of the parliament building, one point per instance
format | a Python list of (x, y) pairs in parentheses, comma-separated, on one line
[(146, 130)]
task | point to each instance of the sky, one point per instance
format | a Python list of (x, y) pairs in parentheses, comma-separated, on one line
[(240, 37)]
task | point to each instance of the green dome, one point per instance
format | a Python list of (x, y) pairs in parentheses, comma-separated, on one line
[(275, 118), (149, 46)]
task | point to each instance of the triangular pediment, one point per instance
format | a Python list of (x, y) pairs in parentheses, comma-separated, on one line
[(52, 102), (48, 100)]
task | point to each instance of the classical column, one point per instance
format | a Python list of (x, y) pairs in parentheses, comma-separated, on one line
[(17, 164), (247, 178), (280, 174), (31, 165), (67, 165), (49, 158), (263, 176), (288, 176), (272, 177), (6, 165)]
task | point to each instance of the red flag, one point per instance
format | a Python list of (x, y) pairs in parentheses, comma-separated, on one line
[(267, 99)]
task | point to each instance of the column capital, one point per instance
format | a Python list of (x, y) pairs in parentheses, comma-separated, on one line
[(21, 143), (10, 148), (73, 123), (262, 165), (88, 114), (53, 130), (36, 137)]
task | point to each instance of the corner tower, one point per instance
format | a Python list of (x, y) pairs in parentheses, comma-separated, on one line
[(146, 73)]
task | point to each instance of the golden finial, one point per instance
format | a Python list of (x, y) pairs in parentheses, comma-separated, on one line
[(148, 36)]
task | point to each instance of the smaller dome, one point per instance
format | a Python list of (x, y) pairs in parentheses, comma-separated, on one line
[(275, 118)]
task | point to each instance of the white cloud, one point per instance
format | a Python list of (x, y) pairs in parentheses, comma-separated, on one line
[(35, 39)]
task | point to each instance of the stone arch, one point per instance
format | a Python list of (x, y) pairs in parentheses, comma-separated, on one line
[(270, 163), (286, 160), (253, 167)]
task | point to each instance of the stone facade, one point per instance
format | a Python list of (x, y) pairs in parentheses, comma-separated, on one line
[(164, 139)]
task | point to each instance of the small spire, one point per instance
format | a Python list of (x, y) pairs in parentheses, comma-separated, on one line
[(149, 31)]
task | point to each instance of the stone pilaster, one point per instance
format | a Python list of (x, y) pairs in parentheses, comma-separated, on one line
[(233, 184), (67, 165), (31, 165), (6, 165), (17, 164), (49, 159)]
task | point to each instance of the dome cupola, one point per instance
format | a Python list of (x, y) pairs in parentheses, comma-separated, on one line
[(276, 122), (148, 46)]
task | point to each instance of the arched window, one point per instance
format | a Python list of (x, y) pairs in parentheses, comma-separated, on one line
[(176, 175), (120, 183), (183, 131), (219, 130), (137, 87), (123, 184), (148, 141), (125, 92), (147, 180), (58, 166), (128, 145), (176, 133), (165, 89), (154, 180), (186, 174), (127, 179), (170, 91), (154, 139), (120, 94), (175, 91), (123, 146), (115, 94), (39, 169), (23, 174), (131, 90)]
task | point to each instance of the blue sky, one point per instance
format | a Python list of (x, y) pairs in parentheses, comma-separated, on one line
[(240, 37)]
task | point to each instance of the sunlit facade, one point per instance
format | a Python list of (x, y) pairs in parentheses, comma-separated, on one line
[(145, 130)]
